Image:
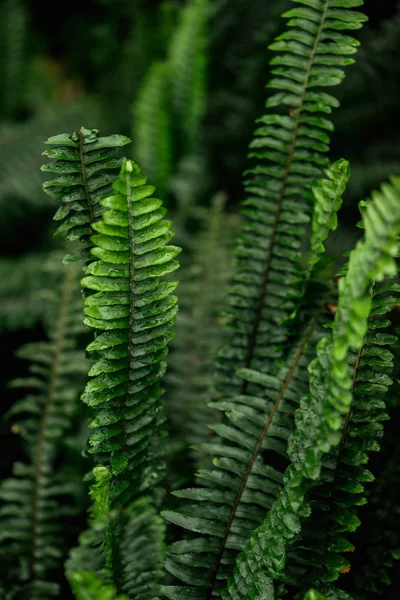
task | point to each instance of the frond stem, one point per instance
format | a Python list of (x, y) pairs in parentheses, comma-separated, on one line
[(84, 177)]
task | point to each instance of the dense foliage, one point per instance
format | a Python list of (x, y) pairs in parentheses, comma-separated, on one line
[(234, 436)]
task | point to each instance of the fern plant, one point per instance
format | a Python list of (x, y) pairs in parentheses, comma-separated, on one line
[(36, 500)]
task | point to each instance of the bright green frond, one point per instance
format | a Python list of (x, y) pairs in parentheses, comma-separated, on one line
[(132, 310), (86, 585)]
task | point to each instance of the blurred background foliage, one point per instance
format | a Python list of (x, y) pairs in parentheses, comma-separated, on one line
[(185, 81)]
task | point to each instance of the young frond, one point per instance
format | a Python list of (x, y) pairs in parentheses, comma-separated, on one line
[(132, 311), (36, 500), (319, 421), (290, 153), (85, 166)]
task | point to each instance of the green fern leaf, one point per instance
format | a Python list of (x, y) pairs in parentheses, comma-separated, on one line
[(289, 150), (319, 421), (36, 501), (132, 312)]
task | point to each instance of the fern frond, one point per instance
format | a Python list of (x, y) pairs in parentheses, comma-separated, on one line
[(36, 500), (132, 312), (85, 166), (319, 420), (289, 150), (12, 49), (187, 62), (153, 127)]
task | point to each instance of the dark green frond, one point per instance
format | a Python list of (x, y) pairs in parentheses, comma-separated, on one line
[(132, 311), (319, 421), (85, 167), (289, 149), (36, 501)]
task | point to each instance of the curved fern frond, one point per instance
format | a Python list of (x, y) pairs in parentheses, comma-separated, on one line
[(85, 167), (36, 500), (319, 421), (132, 311), (187, 63), (153, 127), (335, 501), (289, 150)]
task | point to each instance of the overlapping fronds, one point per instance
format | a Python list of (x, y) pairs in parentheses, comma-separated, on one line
[(289, 150), (240, 487), (12, 51), (132, 311), (324, 550), (36, 500), (319, 421), (86, 167), (122, 549), (187, 64), (153, 128), (198, 333), (249, 449)]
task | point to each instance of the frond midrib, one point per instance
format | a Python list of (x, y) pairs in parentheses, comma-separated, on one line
[(84, 176), (264, 286)]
